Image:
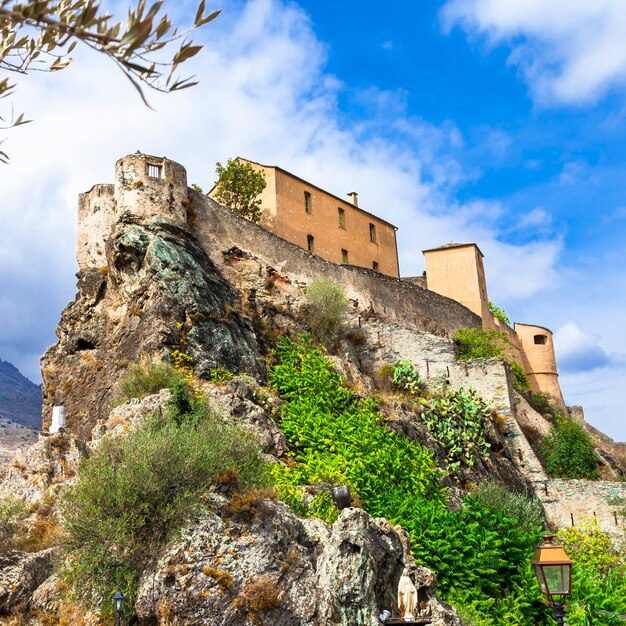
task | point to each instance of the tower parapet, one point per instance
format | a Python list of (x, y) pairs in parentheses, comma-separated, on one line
[(146, 187)]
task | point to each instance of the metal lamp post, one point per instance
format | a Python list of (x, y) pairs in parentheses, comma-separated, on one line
[(553, 569), (118, 601)]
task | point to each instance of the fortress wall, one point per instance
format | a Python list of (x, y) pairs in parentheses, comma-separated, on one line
[(489, 377), (219, 229), (96, 213), (570, 502)]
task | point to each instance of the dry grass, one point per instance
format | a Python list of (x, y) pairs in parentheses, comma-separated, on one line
[(247, 506), (259, 596)]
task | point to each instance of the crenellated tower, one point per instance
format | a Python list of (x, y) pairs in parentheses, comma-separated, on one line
[(145, 187)]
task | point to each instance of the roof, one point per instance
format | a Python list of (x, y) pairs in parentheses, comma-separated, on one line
[(306, 182), (453, 244)]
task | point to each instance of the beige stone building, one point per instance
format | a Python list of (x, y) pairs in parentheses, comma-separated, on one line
[(456, 270), (334, 228)]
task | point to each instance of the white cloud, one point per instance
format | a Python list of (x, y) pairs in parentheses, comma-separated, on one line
[(537, 218), (578, 351), (264, 94), (569, 51)]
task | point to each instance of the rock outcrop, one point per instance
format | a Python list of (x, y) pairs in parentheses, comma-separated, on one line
[(21, 574), (159, 295), (269, 567)]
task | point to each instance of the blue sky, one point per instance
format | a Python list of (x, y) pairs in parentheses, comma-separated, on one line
[(470, 120)]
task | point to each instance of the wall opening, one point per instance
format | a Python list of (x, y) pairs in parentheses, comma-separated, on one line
[(154, 171), (344, 256), (375, 266), (307, 202), (342, 217), (372, 233), (310, 243), (540, 340)]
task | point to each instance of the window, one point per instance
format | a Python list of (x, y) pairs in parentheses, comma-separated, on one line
[(344, 256), (540, 340), (375, 266), (309, 243), (307, 202), (154, 171), (372, 233), (342, 217)]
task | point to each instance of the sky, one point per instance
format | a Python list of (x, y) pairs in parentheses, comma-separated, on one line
[(492, 121)]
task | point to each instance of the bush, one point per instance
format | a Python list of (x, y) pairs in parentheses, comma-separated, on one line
[(12, 515), (337, 437), (526, 509), (568, 452), (598, 577), (340, 439), (499, 313), (519, 378), (145, 378), (544, 405), (326, 305), (479, 343), (135, 492), (183, 407), (458, 423)]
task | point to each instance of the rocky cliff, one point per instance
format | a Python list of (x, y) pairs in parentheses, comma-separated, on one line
[(214, 291)]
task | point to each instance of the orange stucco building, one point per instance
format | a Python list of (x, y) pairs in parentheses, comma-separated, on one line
[(329, 226)]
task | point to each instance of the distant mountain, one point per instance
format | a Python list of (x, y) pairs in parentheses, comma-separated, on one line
[(20, 399)]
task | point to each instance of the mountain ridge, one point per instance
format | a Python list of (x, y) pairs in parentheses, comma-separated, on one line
[(20, 398)]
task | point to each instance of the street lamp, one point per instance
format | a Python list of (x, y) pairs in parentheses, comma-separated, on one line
[(118, 601), (553, 569)]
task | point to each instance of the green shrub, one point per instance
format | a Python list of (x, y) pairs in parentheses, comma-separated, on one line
[(183, 407), (526, 509), (135, 492), (339, 438), (12, 515), (544, 405), (519, 378), (598, 577), (145, 378), (568, 452), (326, 305), (220, 375), (479, 343), (499, 313)]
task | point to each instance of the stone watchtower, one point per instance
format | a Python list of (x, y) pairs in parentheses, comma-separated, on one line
[(145, 187), (455, 270), (538, 348)]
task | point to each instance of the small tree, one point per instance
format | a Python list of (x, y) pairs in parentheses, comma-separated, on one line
[(326, 304), (238, 188)]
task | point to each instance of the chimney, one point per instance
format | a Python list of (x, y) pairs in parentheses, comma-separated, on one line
[(354, 198)]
